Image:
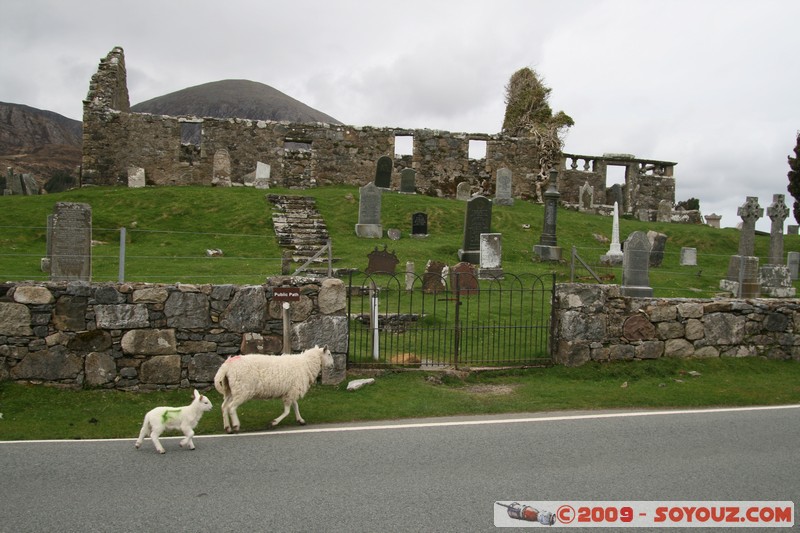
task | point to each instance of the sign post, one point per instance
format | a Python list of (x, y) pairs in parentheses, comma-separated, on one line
[(286, 295)]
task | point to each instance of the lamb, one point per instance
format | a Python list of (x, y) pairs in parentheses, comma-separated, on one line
[(159, 419), (257, 376)]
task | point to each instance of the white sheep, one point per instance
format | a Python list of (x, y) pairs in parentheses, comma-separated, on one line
[(185, 418), (257, 376)]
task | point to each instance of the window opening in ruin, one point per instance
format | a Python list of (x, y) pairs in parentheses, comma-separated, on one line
[(615, 174), (191, 133), (403, 145), (477, 149), (296, 146)]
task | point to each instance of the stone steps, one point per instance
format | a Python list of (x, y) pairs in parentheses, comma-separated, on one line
[(299, 227)]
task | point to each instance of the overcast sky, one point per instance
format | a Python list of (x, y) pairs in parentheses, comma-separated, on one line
[(710, 84)]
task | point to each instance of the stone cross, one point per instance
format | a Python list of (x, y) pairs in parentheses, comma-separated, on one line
[(778, 213), (750, 212)]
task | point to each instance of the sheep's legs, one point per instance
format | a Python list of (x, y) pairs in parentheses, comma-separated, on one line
[(142, 434), (188, 433), (229, 414), (287, 405), (157, 443)]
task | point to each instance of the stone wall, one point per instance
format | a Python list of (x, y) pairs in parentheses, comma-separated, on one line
[(134, 336), (596, 323), (299, 155)]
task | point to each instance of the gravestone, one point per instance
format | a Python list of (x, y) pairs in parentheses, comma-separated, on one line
[(503, 193), (432, 280), (462, 279), (793, 262), (491, 256), (586, 197), (410, 276), (774, 277), (136, 177), (792, 229), (463, 191), (383, 172), (393, 234), (614, 254), (477, 220), (547, 249), (381, 261), (664, 213), (658, 243), (29, 185), (369, 212), (635, 266), (408, 181), (221, 174), (419, 224), (713, 220), (263, 172), (71, 242), (688, 256), (616, 195), (742, 277)]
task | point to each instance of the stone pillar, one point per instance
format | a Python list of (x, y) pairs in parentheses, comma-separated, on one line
[(547, 248), (778, 213)]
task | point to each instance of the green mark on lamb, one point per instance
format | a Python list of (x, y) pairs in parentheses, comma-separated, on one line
[(170, 414)]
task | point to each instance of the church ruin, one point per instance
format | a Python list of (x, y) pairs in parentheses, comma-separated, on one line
[(181, 150)]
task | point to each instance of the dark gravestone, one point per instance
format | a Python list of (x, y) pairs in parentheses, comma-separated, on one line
[(71, 242), (383, 172), (432, 280), (477, 220), (381, 261), (635, 266), (408, 181), (658, 244), (419, 225), (463, 280)]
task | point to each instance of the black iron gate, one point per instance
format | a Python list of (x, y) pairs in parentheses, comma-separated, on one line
[(454, 320)]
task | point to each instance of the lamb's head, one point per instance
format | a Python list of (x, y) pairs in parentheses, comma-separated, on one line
[(202, 401)]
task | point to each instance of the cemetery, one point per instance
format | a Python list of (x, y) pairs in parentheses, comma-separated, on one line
[(426, 279)]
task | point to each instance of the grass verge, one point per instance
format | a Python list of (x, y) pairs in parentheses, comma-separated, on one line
[(37, 412)]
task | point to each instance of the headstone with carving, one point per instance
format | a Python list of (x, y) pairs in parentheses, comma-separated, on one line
[(635, 266), (503, 192), (419, 224), (491, 256), (263, 172), (381, 261), (742, 277), (477, 220), (408, 181), (383, 172), (775, 277), (793, 262), (548, 249), (369, 212), (71, 242), (688, 256)]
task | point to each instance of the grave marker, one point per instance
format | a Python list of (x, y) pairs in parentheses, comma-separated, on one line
[(477, 220), (503, 188), (71, 242), (491, 256), (635, 266), (383, 172), (408, 181), (419, 224), (369, 212)]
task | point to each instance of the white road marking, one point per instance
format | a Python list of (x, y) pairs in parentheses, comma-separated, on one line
[(366, 426)]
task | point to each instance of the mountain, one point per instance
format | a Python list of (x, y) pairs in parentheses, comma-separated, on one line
[(233, 98)]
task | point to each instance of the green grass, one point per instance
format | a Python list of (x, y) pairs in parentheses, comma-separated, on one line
[(170, 228), (36, 412)]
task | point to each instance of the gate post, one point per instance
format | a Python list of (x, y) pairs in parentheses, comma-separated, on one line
[(457, 329)]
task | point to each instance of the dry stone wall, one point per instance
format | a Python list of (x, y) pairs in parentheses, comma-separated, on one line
[(597, 323), (141, 336)]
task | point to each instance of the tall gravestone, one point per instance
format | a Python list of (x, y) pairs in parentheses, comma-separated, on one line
[(742, 277), (408, 181), (775, 277), (369, 212), (383, 172), (70, 243), (491, 256), (614, 254), (503, 194), (636, 265), (221, 168), (477, 220), (585, 197), (548, 249)]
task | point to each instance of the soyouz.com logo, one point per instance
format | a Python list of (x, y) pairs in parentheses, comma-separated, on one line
[(618, 514)]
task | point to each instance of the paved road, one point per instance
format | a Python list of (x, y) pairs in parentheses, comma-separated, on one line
[(416, 475)]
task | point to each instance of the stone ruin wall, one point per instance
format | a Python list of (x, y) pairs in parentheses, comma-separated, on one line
[(138, 336), (114, 140)]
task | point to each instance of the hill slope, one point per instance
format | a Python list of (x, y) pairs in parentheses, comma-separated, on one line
[(233, 99)]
